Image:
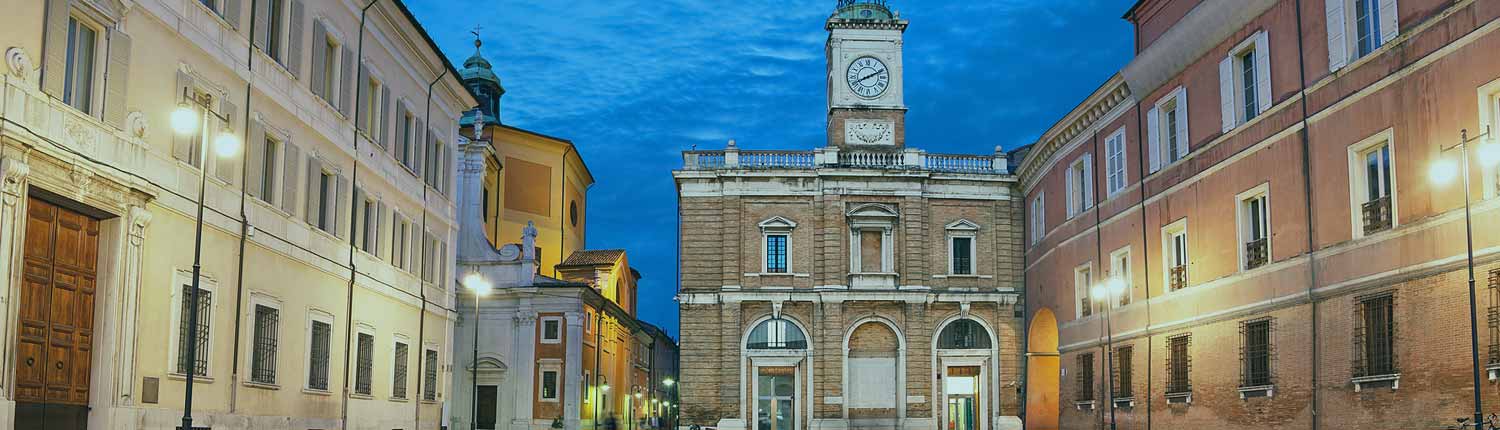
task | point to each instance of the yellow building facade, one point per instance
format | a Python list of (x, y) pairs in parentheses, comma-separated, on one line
[(324, 291)]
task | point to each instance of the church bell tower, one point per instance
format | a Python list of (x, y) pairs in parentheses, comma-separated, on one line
[(866, 99)]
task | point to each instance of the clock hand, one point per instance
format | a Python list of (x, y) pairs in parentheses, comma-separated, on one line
[(871, 75)]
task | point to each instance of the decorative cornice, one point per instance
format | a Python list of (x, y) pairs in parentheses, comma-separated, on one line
[(1104, 99)]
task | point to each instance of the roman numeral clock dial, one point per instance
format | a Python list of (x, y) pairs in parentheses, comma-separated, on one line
[(868, 77)]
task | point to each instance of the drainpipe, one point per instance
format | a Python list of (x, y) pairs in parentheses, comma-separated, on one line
[(422, 318), (353, 209), (239, 283), (1312, 227), (1140, 166), (562, 211)]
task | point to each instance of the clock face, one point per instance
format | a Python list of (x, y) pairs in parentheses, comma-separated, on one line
[(868, 77)]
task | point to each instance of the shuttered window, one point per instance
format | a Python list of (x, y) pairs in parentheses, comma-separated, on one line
[(365, 364), (398, 376), (205, 302), (317, 374), (263, 356), (83, 41), (429, 377)]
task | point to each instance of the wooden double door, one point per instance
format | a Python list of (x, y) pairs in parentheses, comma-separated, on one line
[(56, 330)]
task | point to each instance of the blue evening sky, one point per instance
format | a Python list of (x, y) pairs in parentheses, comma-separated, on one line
[(634, 82)]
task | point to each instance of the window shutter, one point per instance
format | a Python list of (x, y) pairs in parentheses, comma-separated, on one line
[(262, 21), (360, 223), (398, 144), (385, 123), (1390, 24), (1182, 123), (447, 170), (226, 167), (360, 114), (1153, 138), (314, 193), (294, 38), (55, 47), (1338, 46), (255, 153), (1226, 93), (289, 178), (116, 76), (1070, 194), (232, 13), (319, 58), (341, 206), (346, 94), (381, 219), (1263, 71), (1088, 181), (420, 152)]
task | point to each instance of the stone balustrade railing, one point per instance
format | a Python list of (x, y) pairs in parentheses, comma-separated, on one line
[(907, 159)]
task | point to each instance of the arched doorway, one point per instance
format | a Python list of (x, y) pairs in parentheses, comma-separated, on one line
[(776, 349), (964, 354), (1042, 369), (874, 378)]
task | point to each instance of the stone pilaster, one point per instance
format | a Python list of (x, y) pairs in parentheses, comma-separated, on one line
[(13, 172), (130, 285), (525, 367), (573, 379)]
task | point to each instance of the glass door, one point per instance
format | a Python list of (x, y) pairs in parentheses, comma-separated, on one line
[(962, 390), (776, 405)]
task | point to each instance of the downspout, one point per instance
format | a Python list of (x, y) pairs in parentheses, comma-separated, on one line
[(562, 210), (1140, 166), (1312, 227), (359, 55), (422, 292), (239, 283)]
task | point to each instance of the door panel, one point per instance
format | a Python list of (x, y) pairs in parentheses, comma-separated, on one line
[(57, 305)]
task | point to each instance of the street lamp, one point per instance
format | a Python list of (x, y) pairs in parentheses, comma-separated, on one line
[(1107, 293), (193, 114), (1441, 173), (480, 287)]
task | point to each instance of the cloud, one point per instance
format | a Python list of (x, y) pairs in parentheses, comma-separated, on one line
[(634, 82)]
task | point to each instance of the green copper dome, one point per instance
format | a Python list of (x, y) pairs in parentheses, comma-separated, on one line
[(481, 79), (864, 9), (477, 67)]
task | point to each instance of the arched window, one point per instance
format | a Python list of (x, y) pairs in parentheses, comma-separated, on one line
[(964, 334), (777, 333)]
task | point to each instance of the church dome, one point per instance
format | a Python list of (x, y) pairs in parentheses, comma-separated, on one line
[(478, 68), (482, 81), (864, 9)]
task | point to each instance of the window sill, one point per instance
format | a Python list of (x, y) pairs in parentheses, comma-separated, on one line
[(399, 399), (317, 392), (953, 276), (429, 402), (197, 379), (1124, 402), (546, 341), (261, 385), (778, 275), (1493, 370), (1180, 398), (1377, 381), (1257, 391), (361, 396), (1084, 405)]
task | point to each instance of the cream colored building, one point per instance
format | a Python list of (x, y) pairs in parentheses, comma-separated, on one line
[(345, 123)]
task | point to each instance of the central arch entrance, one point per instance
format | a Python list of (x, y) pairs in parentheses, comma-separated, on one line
[(1042, 369)]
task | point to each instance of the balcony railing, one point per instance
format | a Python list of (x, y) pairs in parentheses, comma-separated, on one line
[(907, 159), (1255, 253), (1178, 277), (1377, 214)]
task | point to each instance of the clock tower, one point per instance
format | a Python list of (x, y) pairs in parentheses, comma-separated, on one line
[(866, 100)]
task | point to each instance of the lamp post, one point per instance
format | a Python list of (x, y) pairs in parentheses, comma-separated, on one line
[(185, 121), (1108, 293), (477, 285), (1442, 172), (667, 406)]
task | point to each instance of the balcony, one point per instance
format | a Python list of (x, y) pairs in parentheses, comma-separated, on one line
[(1177, 278), (830, 157), (1255, 253), (1377, 215)]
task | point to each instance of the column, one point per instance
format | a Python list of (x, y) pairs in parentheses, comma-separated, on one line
[(130, 286), (13, 173), (525, 368), (573, 372)]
